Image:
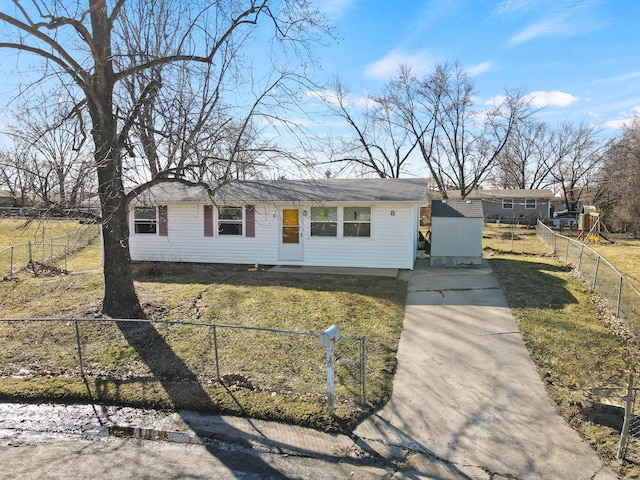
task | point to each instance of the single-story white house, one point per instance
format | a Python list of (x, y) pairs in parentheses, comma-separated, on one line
[(328, 222), (456, 232)]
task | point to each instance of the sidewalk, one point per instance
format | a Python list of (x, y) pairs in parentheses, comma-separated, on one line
[(466, 390)]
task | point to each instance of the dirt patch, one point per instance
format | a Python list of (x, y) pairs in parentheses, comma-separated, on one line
[(44, 270)]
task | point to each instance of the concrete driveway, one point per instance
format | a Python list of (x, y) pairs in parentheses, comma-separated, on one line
[(466, 390)]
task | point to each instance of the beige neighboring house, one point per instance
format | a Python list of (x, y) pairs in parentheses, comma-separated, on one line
[(511, 205)]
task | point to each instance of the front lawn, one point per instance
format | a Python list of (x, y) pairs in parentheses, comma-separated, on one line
[(266, 374)]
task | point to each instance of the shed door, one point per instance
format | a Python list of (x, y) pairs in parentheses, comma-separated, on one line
[(290, 237)]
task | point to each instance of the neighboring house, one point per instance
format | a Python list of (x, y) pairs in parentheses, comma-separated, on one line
[(328, 222), (511, 205), (456, 232), (7, 199)]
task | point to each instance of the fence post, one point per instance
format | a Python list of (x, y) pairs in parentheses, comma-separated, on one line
[(619, 305), (363, 370), (11, 263), (75, 322), (580, 257), (215, 349), (595, 274), (629, 401), (30, 253), (566, 254)]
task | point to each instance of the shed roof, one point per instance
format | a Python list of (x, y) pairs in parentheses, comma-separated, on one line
[(457, 208), (413, 190)]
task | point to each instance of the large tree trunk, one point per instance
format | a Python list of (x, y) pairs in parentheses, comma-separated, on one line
[(120, 298)]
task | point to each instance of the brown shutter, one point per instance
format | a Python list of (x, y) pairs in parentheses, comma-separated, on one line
[(208, 220), (251, 220), (163, 221)]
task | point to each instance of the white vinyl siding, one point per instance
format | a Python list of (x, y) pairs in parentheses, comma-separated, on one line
[(391, 244)]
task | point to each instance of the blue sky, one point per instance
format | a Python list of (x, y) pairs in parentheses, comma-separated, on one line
[(580, 60)]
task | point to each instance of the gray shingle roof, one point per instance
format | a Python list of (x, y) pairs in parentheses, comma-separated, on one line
[(494, 193), (315, 191), (457, 208)]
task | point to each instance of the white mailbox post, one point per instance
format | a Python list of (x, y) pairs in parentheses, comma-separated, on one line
[(328, 340)]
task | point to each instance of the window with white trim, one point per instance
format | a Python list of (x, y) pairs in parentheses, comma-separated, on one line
[(145, 220), (356, 222), (230, 221), (507, 203), (324, 221), (530, 204)]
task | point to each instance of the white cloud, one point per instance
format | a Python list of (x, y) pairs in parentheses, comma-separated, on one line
[(330, 97), (388, 65), (334, 8), (628, 120), (551, 99), (554, 18), (480, 68), (548, 27), (514, 7)]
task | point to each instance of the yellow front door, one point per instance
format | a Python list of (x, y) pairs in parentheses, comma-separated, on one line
[(290, 226)]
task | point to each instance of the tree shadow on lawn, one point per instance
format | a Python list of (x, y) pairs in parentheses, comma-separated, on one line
[(528, 284), (180, 382), (183, 388)]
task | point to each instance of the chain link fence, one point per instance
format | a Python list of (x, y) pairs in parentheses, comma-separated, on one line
[(621, 295), (631, 427), (43, 250), (174, 364), (623, 298)]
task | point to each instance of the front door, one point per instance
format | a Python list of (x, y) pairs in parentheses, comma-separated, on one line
[(290, 238)]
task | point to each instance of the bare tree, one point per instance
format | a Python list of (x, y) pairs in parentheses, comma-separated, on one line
[(528, 157), (578, 150), (619, 178), (14, 177), (82, 42), (54, 154), (458, 142), (376, 143)]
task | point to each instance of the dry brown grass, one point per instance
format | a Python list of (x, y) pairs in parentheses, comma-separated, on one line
[(287, 371), (581, 350)]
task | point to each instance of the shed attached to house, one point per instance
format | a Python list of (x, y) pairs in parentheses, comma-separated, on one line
[(456, 232), (329, 222)]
